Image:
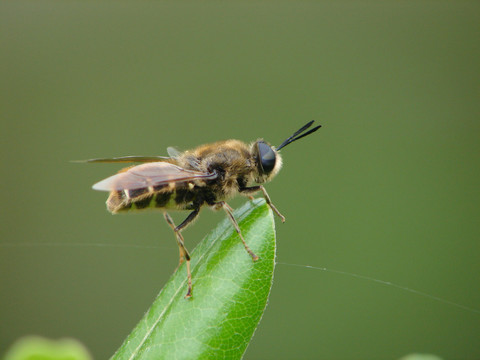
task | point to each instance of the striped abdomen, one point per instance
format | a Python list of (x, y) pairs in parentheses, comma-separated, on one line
[(181, 197)]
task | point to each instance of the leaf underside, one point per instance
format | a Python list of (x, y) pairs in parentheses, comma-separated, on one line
[(230, 293)]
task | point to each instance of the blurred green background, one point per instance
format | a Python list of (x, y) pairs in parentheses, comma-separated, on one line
[(388, 188)]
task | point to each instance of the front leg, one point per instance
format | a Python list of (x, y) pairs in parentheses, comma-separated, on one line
[(253, 189)]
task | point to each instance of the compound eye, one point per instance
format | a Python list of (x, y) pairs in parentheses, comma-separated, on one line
[(267, 157)]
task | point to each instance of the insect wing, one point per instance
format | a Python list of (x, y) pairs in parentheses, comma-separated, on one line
[(173, 152), (127, 159), (150, 175)]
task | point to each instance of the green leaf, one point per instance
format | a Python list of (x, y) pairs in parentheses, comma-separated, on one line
[(39, 348), (416, 356), (230, 293)]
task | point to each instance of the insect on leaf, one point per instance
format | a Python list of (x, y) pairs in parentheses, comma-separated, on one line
[(230, 295)]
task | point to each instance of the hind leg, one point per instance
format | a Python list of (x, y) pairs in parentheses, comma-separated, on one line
[(184, 254)]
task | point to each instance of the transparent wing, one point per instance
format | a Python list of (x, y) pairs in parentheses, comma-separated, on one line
[(150, 175), (127, 159), (173, 152), (176, 154)]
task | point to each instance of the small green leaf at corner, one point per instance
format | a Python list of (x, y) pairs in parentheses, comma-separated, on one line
[(417, 356), (230, 293), (39, 348)]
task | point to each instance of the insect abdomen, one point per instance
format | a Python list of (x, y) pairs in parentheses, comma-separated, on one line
[(140, 199)]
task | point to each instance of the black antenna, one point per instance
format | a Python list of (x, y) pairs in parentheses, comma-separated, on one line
[(298, 132)]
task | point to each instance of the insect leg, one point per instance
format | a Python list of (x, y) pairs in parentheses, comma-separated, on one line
[(184, 254), (229, 212), (181, 245), (254, 189)]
